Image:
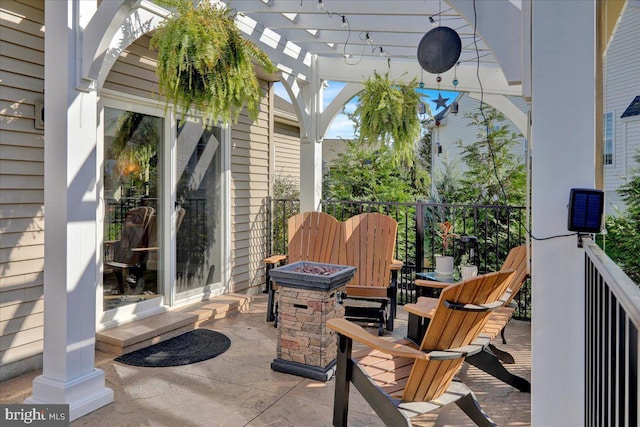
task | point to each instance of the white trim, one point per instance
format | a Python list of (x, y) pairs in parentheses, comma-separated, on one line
[(124, 314), (225, 177)]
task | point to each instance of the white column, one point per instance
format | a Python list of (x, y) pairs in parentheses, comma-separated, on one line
[(311, 147), (563, 141), (69, 375)]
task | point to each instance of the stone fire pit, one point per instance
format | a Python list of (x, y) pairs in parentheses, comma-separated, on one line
[(307, 298)]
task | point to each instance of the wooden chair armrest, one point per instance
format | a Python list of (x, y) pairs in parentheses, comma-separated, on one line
[(423, 309), (274, 259), (151, 249), (357, 333), (473, 307), (468, 350), (396, 265), (432, 283)]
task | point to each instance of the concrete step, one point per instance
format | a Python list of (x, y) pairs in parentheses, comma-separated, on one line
[(160, 327)]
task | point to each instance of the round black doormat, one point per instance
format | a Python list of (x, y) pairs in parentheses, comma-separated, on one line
[(190, 347)]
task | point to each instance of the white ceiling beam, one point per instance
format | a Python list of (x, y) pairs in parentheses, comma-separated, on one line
[(493, 81), (500, 25)]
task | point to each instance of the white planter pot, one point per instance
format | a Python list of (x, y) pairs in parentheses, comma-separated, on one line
[(444, 265), (468, 271)]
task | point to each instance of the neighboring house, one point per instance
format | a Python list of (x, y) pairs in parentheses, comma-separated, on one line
[(286, 138), (221, 180), (622, 104), (456, 128)]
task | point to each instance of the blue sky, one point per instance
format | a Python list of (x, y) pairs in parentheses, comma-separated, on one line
[(342, 127)]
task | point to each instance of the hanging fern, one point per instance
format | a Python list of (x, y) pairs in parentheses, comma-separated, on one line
[(388, 112), (206, 64)]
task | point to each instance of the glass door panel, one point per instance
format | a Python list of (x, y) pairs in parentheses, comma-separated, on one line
[(132, 220), (199, 195)]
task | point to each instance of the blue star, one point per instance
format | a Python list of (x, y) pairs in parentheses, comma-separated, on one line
[(441, 102)]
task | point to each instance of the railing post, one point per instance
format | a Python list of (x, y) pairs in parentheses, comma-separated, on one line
[(419, 236)]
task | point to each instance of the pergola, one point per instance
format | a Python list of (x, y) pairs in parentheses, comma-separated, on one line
[(548, 52)]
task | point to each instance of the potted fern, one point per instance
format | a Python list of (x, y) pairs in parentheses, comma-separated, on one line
[(204, 62), (387, 112)]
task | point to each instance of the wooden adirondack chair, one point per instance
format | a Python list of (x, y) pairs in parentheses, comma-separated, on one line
[(313, 236), (489, 359), (123, 259), (400, 380), (369, 244)]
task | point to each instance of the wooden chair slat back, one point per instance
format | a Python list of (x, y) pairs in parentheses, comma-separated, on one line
[(517, 261), (453, 328), (312, 238), (369, 243), (134, 234)]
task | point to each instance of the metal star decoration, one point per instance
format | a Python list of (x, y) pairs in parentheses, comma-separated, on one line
[(441, 102)]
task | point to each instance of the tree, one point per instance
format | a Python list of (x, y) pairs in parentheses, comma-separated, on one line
[(495, 175), (622, 241), (367, 173)]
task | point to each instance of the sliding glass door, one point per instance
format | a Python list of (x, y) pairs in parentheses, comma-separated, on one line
[(199, 203), (132, 189)]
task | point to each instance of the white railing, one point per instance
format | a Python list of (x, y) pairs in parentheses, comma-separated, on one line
[(612, 320)]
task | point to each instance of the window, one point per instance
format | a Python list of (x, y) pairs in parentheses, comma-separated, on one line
[(608, 138)]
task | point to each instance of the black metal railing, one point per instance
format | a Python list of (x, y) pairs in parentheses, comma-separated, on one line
[(497, 229), (612, 320)]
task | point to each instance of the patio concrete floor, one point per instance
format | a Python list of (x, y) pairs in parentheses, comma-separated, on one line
[(238, 388)]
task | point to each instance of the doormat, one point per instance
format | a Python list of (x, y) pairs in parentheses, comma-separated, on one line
[(190, 347)]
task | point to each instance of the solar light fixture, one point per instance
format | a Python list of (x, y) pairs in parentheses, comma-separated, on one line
[(586, 208)]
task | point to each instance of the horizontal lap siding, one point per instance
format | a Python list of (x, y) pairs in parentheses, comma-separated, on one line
[(622, 85), (286, 139), (21, 187), (249, 191)]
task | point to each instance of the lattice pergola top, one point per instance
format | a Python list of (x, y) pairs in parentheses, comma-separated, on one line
[(353, 38)]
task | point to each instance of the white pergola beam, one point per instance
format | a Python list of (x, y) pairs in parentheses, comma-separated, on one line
[(493, 81)]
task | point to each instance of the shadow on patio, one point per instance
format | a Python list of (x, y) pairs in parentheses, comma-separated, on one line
[(238, 388)]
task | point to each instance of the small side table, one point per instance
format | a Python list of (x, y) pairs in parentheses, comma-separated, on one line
[(416, 324)]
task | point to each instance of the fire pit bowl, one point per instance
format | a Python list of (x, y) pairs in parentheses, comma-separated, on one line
[(312, 275)]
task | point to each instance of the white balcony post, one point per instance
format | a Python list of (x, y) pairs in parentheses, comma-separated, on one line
[(311, 147), (563, 157), (71, 207)]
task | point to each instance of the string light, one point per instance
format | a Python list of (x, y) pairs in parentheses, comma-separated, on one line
[(320, 5), (345, 24)]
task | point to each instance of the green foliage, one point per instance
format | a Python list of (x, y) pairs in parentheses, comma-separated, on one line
[(495, 175), (387, 112), (622, 241), (205, 63), (285, 187), (288, 189), (366, 174), (448, 182)]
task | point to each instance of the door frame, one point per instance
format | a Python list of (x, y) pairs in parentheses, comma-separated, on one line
[(110, 318)]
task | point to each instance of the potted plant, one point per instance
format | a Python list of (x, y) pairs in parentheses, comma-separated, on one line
[(204, 62), (387, 112), (444, 262)]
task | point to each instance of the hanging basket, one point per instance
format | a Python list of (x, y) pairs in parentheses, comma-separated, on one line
[(204, 63), (387, 112)]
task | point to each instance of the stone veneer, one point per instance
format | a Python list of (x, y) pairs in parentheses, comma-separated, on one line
[(303, 336)]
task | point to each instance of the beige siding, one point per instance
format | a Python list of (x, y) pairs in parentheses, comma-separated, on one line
[(286, 140), (249, 191), (22, 176), (21, 187)]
